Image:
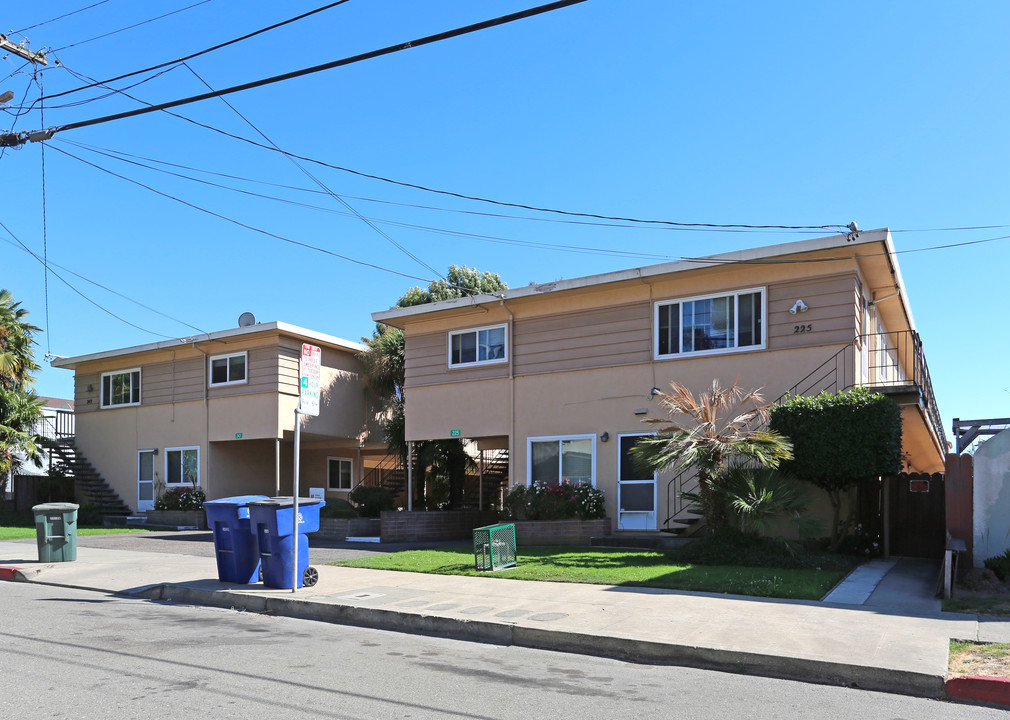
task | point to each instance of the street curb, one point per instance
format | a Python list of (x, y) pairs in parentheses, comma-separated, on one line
[(9, 572), (505, 633), (984, 690)]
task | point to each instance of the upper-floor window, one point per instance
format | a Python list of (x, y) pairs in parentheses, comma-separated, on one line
[(710, 324), (478, 346), (228, 369), (121, 388)]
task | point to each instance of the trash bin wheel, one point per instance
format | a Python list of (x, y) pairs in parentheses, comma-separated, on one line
[(311, 577)]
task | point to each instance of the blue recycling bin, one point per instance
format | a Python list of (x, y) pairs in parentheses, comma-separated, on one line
[(272, 523), (238, 560)]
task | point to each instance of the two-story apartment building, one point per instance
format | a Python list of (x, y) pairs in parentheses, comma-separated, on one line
[(562, 373), (217, 410)]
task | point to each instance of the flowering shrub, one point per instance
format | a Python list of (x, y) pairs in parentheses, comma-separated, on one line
[(566, 501), (190, 498)]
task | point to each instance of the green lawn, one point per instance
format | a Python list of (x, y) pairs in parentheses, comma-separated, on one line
[(21, 533), (606, 566)]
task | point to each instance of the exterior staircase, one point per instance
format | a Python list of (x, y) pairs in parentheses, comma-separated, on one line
[(89, 486)]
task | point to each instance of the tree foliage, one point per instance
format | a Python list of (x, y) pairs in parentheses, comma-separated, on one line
[(19, 407), (443, 462), (706, 434), (839, 440)]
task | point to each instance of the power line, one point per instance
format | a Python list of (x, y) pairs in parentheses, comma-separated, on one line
[(67, 283), (245, 225), (666, 224), (329, 65), (412, 226), (320, 183), (202, 52), (97, 284), (130, 27), (60, 17)]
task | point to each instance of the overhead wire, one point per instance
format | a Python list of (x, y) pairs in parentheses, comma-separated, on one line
[(69, 285), (669, 224), (317, 181), (426, 228), (131, 27), (242, 224), (96, 83), (97, 284), (60, 17)]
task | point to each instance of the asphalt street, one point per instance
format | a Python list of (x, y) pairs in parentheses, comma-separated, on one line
[(77, 654)]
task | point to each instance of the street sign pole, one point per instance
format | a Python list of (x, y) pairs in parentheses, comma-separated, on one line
[(294, 510), (309, 371)]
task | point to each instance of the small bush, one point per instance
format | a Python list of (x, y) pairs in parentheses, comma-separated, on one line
[(181, 499), (731, 547), (338, 508), (372, 500), (88, 514), (566, 501), (1000, 565)]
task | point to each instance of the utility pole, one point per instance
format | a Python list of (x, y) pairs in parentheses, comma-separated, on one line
[(22, 51), (38, 58)]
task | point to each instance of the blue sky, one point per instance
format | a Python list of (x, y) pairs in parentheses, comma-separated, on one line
[(889, 114)]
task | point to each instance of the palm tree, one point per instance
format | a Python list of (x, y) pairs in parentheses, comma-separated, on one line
[(16, 355), (19, 407), (705, 434)]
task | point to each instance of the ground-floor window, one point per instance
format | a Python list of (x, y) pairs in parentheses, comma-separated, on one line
[(562, 459), (182, 466), (338, 473)]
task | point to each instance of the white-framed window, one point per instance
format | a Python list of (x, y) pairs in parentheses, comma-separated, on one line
[(561, 459), (478, 346), (710, 324), (228, 369), (182, 466), (121, 388), (339, 473)]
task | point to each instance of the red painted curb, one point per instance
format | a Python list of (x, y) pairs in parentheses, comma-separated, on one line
[(982, 689), (8, 573)]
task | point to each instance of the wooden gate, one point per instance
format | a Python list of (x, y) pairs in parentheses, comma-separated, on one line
[(917, 514)]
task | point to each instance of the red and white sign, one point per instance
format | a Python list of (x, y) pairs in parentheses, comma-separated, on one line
[(309, 369)]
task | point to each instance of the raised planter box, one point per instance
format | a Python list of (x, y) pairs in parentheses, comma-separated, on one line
[(401, 526), (560, 532), (188, 518), (340, 528)]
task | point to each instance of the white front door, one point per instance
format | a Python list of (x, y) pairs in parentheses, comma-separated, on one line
[(636, 490), (145, 480)]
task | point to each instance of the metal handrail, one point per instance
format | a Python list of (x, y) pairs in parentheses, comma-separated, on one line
[(893, 359)]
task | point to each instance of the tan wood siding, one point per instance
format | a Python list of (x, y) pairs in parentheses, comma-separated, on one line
[(85, 400), (831, 318), (427, 362), (618, 335), (171, 382)]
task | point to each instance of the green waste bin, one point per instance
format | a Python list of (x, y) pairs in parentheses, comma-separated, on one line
[(56, 531), (494, 547)]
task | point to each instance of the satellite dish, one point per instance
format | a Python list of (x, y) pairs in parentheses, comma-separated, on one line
[(246, 319)]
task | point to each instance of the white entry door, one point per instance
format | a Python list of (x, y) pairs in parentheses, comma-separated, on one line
[(636, 490), (145, 480)]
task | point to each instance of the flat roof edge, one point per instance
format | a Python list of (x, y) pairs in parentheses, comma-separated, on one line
[(863, 237), (276, 326)]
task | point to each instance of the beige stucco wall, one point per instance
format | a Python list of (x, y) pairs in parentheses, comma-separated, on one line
[(178, 410), (991, 502)]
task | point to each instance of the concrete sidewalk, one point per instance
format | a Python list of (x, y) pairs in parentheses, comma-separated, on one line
[(872, 644)]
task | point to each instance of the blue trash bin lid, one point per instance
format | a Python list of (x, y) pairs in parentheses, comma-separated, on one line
[(236, 501), (287, 501)]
